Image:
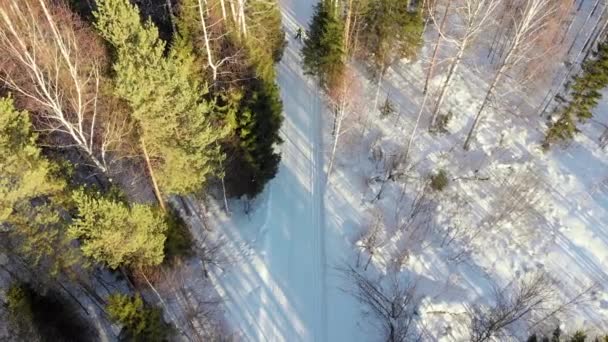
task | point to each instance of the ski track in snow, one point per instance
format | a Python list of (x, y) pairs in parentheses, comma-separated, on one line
[(278, 291)]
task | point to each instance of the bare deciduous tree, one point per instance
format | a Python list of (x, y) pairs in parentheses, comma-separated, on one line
[(475, 16), (530, 296), (371, 240), (344, 100), (516, 201), (526, 25), (391, 303), (52, 61)]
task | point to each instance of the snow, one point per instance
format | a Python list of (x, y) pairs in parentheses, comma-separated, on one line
[(284, 284), (278, 292)]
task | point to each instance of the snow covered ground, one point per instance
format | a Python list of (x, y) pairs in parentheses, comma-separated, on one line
[(510, 210), (278, 290)]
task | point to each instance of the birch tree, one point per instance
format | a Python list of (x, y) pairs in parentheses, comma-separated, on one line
[(429, 74), (52, 62), (343, 99), (526, 24), (475, 16)]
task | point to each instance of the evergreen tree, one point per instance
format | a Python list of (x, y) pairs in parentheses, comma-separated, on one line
[(390, 31), (556, 335), (116, 234), (260, 111), (323, 52), (245, 92), (141, 323), (19, 305), (29, 191), (266, 39), (257, 125), (578, 336), (176, 126), (584, 97)]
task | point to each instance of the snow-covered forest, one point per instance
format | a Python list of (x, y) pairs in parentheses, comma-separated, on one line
[(304, 170)]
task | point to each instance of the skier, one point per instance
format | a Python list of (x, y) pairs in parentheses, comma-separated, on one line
[(299, 34)]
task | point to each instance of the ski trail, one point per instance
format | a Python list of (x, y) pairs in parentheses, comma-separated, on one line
[(317, 194), (278, 291)]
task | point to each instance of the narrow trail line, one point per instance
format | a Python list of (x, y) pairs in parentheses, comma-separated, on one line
[(278, 290)]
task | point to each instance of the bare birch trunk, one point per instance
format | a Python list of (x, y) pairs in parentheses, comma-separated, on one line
[(446, 83), (436, 48), (486, 100)]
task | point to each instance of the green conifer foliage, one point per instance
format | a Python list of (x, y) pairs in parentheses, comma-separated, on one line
[(391, 31), (25, 174), (142, 323), (584, 97), (257, 127), (266, 39), (116, 234), (28, 192), (177, 125), (323, 51)]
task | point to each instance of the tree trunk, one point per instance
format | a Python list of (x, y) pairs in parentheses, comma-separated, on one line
[(411, 139), (171, 15), (595, 6), (436, 49), (369, 260), (339, 119), (550, 95), (165, 306), (446, 83), (206, 37), (485, 102), (157, 192)]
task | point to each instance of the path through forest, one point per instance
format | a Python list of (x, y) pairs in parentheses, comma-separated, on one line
[(277, 292)]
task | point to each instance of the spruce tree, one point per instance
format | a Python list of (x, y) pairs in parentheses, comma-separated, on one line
[(257, 125), (323, 52), (176, 125), (246, 93), (584, 96), (116, 234), (30, 193)]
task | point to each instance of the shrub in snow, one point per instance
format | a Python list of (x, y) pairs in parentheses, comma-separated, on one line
[(387, 108), (439, 180), (443, 120)]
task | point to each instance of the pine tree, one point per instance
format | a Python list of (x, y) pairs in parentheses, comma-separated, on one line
[(584, 96), (141, 323), (29, 191), (176, 126), (391, 31), (323, 52), (116, 234)]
